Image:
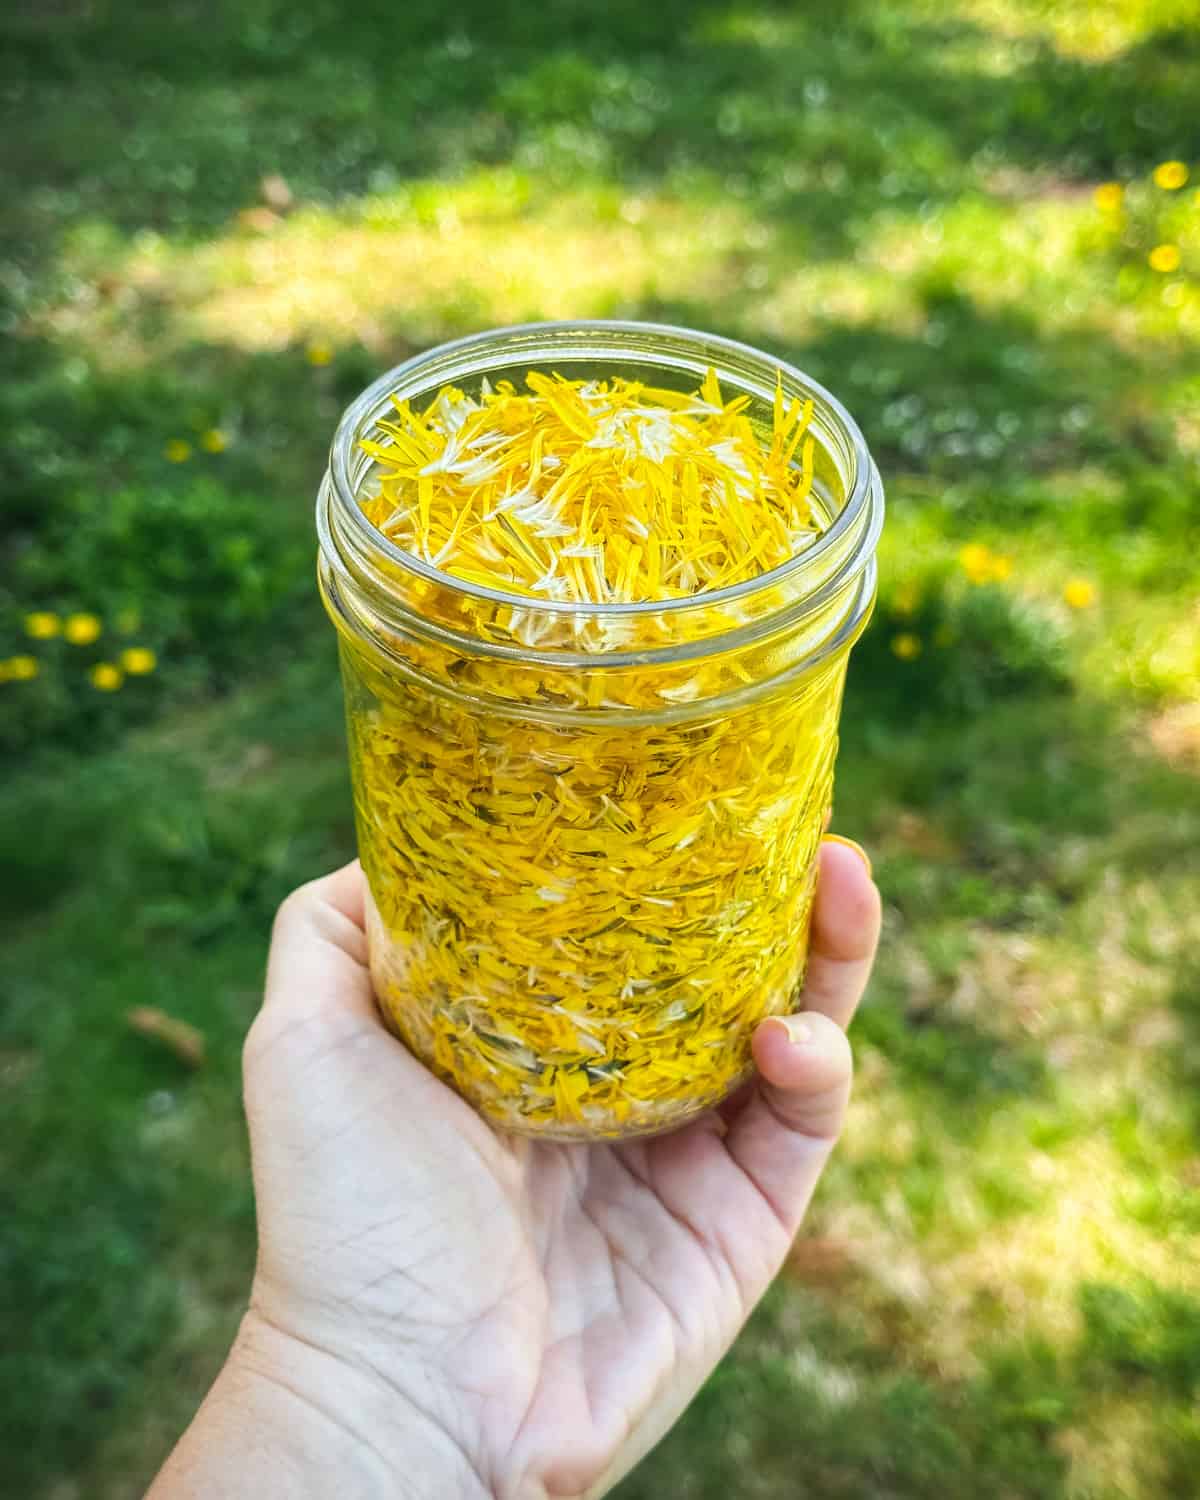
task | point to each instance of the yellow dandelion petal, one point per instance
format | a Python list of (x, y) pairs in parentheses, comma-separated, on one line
[(22, 668), (42, 625), (1164, 258), (318, 354), (1108, 197), (1002, 568), (214, 440), (1079, 593), (82, 630), (106, 677), (1170, 175), (906, 646), (138, 661), (177, 451)]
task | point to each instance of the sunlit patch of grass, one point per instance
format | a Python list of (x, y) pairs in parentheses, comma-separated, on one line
[(797, 299), (1095, 33), (996, 249), (1175, 734), (1113, 1449), (1161, 651), (1113, 528), (1035, 249), (1028, 1270), (435, 259)]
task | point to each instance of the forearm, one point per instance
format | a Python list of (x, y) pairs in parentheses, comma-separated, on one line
[(287, 1421)]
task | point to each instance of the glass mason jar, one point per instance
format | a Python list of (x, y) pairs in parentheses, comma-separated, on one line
[(590, 831)]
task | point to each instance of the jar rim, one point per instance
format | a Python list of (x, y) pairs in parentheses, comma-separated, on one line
[(349, 430)]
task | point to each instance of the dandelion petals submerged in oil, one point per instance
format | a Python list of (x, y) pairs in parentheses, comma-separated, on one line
[(588, 884)]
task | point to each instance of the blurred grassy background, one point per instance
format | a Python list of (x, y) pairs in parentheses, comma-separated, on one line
[(221, 220)]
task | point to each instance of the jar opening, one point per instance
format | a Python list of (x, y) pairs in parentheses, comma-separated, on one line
[(399, 586)]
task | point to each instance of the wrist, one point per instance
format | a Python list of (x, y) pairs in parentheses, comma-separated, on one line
[(358, 1419), (292, 1420)]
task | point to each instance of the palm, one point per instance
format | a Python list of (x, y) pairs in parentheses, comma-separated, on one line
[(555, 1306), (626, 1294)]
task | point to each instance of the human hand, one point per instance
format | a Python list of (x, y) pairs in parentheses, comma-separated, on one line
[(464, 1313)]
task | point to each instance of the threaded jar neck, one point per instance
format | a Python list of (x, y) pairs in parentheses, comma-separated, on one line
[(816, 602)]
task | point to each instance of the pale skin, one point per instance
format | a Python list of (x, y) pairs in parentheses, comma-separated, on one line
[(443, 1313)]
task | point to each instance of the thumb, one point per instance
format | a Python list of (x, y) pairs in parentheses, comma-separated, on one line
[(318, 958), (783, 1136)]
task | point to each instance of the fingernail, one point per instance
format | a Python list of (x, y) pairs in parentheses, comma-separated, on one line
[(797, 1028), (838, 838)]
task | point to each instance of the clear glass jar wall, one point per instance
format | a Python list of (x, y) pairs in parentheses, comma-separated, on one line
[(590, 832)]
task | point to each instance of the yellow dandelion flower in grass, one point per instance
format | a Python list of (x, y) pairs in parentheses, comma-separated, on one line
[(82, 630), (318, 353), (1108, 196), (976, 561), (906, 646), (138, 661), (907, 599), (19, 669), (106, 677), (982, 565), (42, 625), (177, 451), (1164, 258), (214, 440), (1079, 593), (1170, 175)]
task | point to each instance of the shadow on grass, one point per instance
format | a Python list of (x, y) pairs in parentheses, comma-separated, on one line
[(167, 117), (124, 1185)]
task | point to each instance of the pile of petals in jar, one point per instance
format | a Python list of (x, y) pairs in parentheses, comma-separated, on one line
[(579, 925), (596, 492)]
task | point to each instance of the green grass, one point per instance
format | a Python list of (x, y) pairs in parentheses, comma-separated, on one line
[(998, 1293)]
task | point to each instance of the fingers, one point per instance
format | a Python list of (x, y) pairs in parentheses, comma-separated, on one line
[(784, 1134), (345, 890), (318, 1056), (844, 935), (318, 956)]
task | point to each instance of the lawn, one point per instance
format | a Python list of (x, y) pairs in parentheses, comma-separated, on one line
[(221, 220)]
